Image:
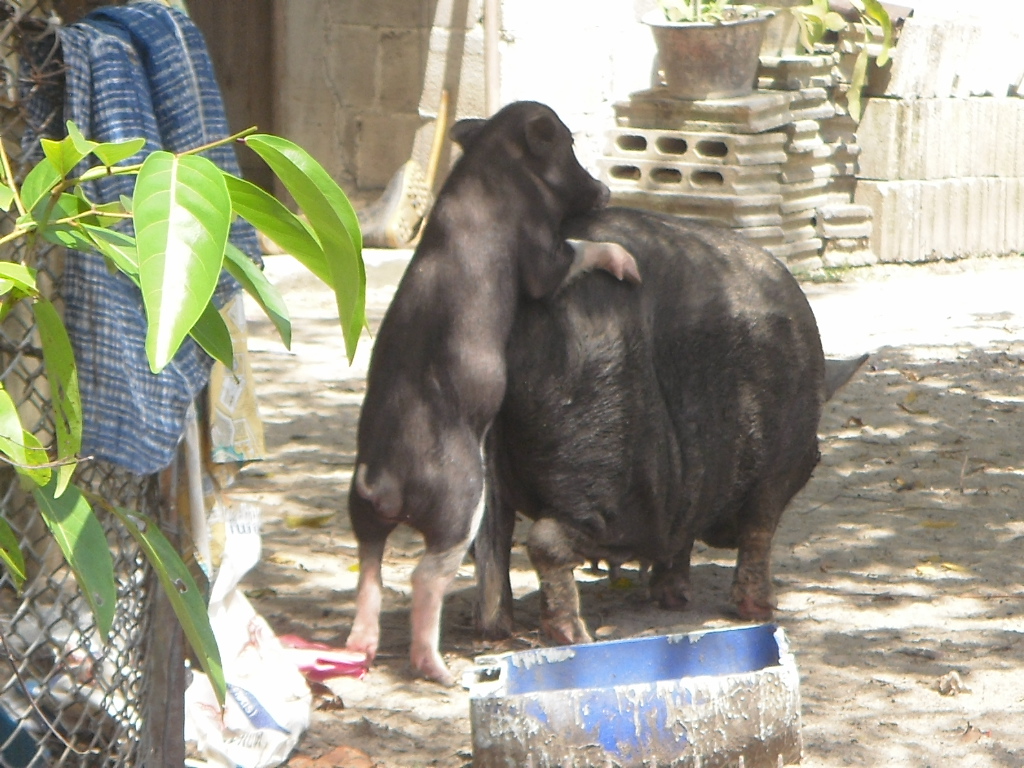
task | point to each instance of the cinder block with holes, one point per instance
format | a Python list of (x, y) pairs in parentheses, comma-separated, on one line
[(688, 178), (695, 146)]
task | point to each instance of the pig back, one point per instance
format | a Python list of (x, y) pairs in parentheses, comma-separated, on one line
[(647, 416), (737, 358)]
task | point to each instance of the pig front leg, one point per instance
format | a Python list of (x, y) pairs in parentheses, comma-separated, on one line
[(670, 583), (551, 551), (607, 256)]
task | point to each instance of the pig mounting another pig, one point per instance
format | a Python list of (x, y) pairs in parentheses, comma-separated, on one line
[(437, 372)]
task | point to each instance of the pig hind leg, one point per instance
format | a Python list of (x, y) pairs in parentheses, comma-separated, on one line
[(365, 633), (553, 550), (752, 591)]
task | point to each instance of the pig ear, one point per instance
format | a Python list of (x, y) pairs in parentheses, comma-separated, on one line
[(465, 131), (540, 135)]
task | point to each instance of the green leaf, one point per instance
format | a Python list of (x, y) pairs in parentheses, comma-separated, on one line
[(10, 555), (272, 218), (39, 183), (261, 289), (84, 544), (20, 275), (21, 447), (63, 154), (84, 145), (117, 247), (212, 334), (6, 197), (834, 22), (182, 216), (182, 591), (62, 374), (875, 11), (857, 80), (113, 152), (334, 221)]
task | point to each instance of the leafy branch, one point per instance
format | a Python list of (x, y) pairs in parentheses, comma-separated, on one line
[(181, 211), (817, 19)]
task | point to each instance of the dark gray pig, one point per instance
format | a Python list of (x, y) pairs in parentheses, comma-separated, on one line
[(637, 420), (437, 373)]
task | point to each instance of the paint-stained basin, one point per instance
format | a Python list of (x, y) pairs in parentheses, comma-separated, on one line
[(724, 697)]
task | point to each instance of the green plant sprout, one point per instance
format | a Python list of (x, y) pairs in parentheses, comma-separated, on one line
[(817, 19)]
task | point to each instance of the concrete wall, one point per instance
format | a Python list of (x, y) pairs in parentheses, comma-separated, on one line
[(348, 80), (358, 82)]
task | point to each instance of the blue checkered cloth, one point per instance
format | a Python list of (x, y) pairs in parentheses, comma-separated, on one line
[(140, 70)]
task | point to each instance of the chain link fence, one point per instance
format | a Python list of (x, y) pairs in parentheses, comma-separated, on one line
[(69, 697)]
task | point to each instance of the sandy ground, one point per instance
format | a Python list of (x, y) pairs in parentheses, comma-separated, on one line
[(899, 564)]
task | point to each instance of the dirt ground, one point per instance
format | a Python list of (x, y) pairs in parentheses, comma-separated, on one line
[(898, 566)]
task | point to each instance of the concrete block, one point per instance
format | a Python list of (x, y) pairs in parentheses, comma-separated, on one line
[(848, 253), (731, 210), (465, 82), (403, 56), (843, 222), (654, 108), (916, 61), (812, 104), (839, 129), (802, 256), (798, 231), (692, 146), (803, 137), (383, 144), (946, 218), (763, 236), (794, 72), (688, 178), (882, 126), (803, 196), (806, 168)]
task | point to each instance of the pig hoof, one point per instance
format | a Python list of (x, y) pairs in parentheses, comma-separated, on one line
[(750, 609), (433, 668), (360, 644), (565, 631), (672, 595), (495, 630)]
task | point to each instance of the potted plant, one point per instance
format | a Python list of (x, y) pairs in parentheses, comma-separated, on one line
[(708, 49)]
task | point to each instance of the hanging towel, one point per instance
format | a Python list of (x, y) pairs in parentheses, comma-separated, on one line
[(140, 70)]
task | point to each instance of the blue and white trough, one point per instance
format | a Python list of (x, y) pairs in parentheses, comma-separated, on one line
[(710, 699)]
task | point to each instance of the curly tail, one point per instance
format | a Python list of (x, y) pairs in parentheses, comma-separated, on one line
[(384, 493)]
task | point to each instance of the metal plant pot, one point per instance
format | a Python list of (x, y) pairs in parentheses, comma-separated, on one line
[(708, 60)]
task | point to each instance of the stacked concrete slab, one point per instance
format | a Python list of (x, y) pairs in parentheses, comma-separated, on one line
[(942, 166), (759, 164)]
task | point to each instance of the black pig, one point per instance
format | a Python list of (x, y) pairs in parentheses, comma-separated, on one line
[(636, 421), (437, 373)]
